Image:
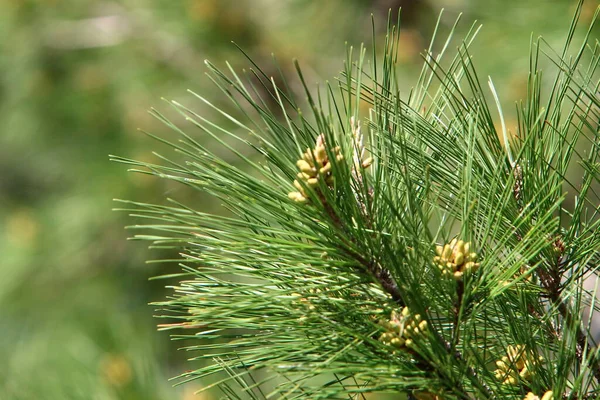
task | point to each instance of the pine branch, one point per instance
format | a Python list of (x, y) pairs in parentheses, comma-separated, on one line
[(407, 255)]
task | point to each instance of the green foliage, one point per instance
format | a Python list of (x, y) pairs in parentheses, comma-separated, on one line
[(73, 293), (351, 282)]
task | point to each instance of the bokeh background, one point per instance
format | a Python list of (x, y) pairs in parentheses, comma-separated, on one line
[(76, 79)]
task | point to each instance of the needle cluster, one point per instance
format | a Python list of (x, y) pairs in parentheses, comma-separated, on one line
[(281, 293)]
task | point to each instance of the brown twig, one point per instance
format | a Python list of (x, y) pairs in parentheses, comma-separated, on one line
[(387, 282), (460, 291), (551, 280)]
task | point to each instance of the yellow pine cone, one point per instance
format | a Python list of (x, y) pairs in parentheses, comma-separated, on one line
[(314, 166), (547, 396), (403, 329), (455, 259), (515, 366)]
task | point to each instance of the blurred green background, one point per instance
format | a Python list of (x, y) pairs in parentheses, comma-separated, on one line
[(76, 79)]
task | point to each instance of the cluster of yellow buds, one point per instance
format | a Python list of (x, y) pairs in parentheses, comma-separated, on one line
[(454, 259), (402, 329), (547, 396), (515, 366), (314, 166), (358, 156)]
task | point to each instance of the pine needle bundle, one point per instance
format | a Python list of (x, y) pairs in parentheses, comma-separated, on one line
[(390, 243)]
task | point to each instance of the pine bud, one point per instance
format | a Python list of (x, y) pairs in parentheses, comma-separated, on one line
[(314, 166), (516, 366), (454, 259), (403, 329), (547, 396)]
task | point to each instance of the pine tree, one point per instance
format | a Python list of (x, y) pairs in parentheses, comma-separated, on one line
[(388, 243)]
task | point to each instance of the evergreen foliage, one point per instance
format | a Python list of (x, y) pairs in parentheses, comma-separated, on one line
[(390, 243)]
